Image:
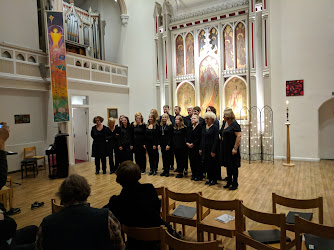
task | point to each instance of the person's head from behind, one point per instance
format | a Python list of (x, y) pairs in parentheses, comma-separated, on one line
[(74, 190), (128, 174)]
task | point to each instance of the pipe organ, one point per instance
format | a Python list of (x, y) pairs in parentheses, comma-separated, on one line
[(82, 31)]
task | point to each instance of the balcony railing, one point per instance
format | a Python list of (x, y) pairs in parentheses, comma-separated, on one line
[(18, 63)]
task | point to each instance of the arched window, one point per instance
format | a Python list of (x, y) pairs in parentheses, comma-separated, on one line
[(240, 45), (20, 57), (209, 83), (6, 54), (78, 63), (185, 97), (190, 54), (179, 55), (228, 48), (32, 59)]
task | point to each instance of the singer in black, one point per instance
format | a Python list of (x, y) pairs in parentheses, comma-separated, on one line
[(165, 142), (209, 147), (125, 141), (231, 138), (194, 133), (98, 133), (117, 151), (179, 145), (152, 141), (111, 143), (139, 137)]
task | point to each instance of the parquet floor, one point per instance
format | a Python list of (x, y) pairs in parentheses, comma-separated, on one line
[(256, 183)]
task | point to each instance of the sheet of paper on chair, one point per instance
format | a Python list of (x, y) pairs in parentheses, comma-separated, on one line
[(225, 218)]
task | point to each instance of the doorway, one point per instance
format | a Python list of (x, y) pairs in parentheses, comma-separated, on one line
[(326, 128), (80, 134)]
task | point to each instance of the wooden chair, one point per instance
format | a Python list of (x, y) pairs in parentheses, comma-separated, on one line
[(181, 197), (168, 240), (5, 194), (272, 221), (206, 221), (300, 204), (304, 226), (162, 197), (31, 153), (11, 186), (143, 234), (55, 208)]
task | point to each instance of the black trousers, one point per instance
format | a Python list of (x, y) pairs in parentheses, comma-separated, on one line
[(212, 166), (117, 157), (24, 238), (140, 157), (232, 175), (181, 157), (166, 158), (111, 158), (99, 159), (171, 157), (126, 154), (195, 162), (153, 155)]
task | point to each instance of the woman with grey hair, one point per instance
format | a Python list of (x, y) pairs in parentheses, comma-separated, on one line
[(231, 136), (209, 147)]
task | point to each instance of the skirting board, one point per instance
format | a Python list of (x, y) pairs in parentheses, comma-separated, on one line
[(298, 158)]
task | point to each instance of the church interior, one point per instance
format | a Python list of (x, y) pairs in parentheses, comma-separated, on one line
[(65, 62)]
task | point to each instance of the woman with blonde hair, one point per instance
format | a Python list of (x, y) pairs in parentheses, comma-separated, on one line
[(231, 137), (138, 142), (179, 145), (209, 147), (152, 141), (165, 143), (111, 143)]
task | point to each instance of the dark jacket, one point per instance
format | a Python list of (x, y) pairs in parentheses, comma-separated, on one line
[(209, 140), (77, 227), (165, 135), (152, 136), (138, 135), (99, 146), (179, 138), (194, 136), (125, 136)]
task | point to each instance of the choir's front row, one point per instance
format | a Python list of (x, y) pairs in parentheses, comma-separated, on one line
[(207, 147)]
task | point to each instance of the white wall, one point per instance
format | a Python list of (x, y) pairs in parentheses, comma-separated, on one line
[(326, 130), (19, 23), (137, 44), (19, 102), (99, 100), (301, 41)]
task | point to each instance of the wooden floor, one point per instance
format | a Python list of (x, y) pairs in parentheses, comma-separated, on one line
[(256, 183)]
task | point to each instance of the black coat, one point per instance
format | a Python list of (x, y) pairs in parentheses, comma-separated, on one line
[(111, 139), (194, 136), (137, 206), (187, 121), (124, 138), (99, 147), (209, 141)]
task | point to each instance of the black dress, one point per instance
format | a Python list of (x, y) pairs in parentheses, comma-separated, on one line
[(99, 147), (152, 139), (231, 162), (125, 141), (209, 144), (166, 139), (111, 145), (180, 148), (194, 137), (138, 143)]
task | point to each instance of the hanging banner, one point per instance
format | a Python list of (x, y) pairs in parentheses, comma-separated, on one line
[(57, 52)]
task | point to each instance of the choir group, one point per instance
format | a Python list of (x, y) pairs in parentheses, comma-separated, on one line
[(193, 137)]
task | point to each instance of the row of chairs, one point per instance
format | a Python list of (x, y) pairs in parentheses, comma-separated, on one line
[(204, 222)]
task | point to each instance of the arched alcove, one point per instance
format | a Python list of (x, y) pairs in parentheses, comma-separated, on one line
[(235, 92), (326, 128), (185, 93)]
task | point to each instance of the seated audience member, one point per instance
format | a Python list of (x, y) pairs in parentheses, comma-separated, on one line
[(9, 237), (137, 205), (79, 226)]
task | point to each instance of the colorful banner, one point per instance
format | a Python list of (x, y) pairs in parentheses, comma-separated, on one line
[(57, 52)]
